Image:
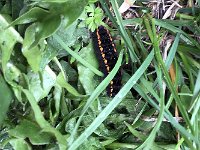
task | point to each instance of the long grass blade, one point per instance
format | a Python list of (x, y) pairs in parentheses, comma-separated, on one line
[(113, 104), (77, 57)]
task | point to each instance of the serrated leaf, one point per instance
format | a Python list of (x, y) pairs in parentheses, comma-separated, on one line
[(89, 20), (98, 11), (89, 9)]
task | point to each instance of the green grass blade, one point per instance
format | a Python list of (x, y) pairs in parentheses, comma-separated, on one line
[(196, 90), (187, 136), (172, 51), (123, 32), (140, 113), (168, 80), (148, 143), (107, 10), (135, 132), (175, 30), (187, 69), (116, 100), (76, 56), (120, 26), (95, 94)]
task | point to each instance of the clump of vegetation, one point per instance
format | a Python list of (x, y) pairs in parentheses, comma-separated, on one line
[(52, 92)]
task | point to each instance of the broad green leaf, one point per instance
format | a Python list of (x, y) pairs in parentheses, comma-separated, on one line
[(32, 131), (70, 72), (6, 98), (34, 14), (75, 55), (86, 76), (34, 58), (47, 22), (41, 83), (5, 8), (67, 33), (14, 77), (42, 122), (19, 144), (17, 6), (33, 55), (46, 27), (8, 38), (48, 54), (71, 10)]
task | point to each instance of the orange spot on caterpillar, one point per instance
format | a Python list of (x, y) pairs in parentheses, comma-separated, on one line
[(105, 61), (107, 56)]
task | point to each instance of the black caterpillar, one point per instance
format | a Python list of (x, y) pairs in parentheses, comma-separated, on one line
[(107, 56)]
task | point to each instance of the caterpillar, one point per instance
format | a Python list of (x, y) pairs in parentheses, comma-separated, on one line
[(107, 56)]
